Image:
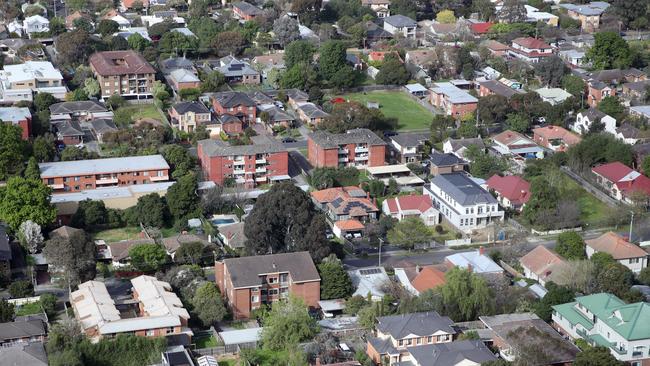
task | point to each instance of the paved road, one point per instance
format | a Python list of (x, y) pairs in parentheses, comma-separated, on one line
[(293, 146), (436, 256)]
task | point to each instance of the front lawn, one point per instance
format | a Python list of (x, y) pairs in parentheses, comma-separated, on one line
[(119, 234), (206, 342), (144, 111), (410, 115)]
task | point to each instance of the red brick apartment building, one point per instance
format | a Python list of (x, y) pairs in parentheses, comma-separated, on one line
[(125, 73), (245, 11), (20, 117), (358, 148), (236, 104), (249, 282), (250, 165), (74, 176)]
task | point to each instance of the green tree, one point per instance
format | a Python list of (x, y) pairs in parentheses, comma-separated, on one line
[(354, 304), (543, 202), (13, 150), (73, 251), (518, 122), (609, 51), (301, 76), (19, 289), (573, 84), (190, 253), (287, 324), (551, 70), (298, 52), (208, 304), (392, 71), (598, 148), (332, 58), (43, 101), (644, 276), (446, 17), (631, 12), (83, 24), (43, 148), (513, 11), (90, 214), (485, 8), (335, 281), (596, 356), (556, 295), (465, 295), (176, 42), (48, 303), (182, 199), (284, 219), (107, 27), (32, 171), (91, 87), (150, 210), (137, 42), (6, 311), (25, 199), (148, 257), (467, 129), (410, 232), (286, 29), (571, 246), (115, 101), (179, 159), (602, 260), (77, 4), (615, 278), (484, 165), (212, 81), (610, 105)]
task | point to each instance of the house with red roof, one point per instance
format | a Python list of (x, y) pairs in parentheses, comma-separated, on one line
[(418, 279), (624, 252), (541, 263), (379, 56), (555, 138), (512, 191), (347, 208), (479, 29), (621, 181), (402, 207), (530, 49)]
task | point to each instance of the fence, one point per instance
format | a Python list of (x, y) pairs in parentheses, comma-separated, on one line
[(24, 300), (510, 269), (554, 232), (458, 242)]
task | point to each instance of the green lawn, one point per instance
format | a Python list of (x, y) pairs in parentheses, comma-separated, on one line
[(113, 235), (144, 111), (206, 342), (410, 115), (28, 309), (228, 363)]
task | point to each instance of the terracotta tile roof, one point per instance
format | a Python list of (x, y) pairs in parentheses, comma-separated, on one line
[(496, 46), (120, 63), (616, 246), (330, 194), (512, 187), (428, 278), (531, 43), (481, 28), (508, 137), (411, 202), (541, 261), (640, 184), (613, 172), (346, 225), (557, 132)]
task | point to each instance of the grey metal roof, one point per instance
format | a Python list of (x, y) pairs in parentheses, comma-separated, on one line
[(462, 189), (82, 106), (70, 128), (233, 99), (455, 94), (247, 8), (312, 110), (220, 148), (419, 324), (439, 159), (183, 76), (590, 9), (102, 125), (176, 63), (99, 166), (31, 354), (241, 336), (246, 271), (16, 330), (231, 67), (593, 114), (400, 21), (196, 107), (500, 89), (382, 346), (357, 136), (451, 354), (456, 144), (411, 139)]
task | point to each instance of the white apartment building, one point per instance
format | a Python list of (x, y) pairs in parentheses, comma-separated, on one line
[(19, 82)]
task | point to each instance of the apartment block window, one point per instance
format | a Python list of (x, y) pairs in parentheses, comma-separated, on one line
[(169, 330), (400, 342), (284, 278), (255, 298), (430, 339), (76, 179), (145, 174), (50, 180), (161, 173), (418, 341), (273, 291), (150, 333), (272, 280)]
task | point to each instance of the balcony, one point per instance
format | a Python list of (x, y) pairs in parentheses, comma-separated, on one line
[(238, 171), (260, 169), (260, 161), (159, 178), (343, 151), (359, 149), (106, 181), (260, 179), (343, 160), (238, 162), (361, 158)]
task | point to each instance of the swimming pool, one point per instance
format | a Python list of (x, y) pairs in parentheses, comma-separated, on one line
[(222, 221)]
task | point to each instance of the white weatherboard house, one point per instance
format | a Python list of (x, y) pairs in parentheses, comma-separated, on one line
[(463, 202), (605, 320), (585, 119), (400, 24)]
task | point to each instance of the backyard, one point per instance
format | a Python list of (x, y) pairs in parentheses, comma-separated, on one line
[(410, 115), (144, 111)]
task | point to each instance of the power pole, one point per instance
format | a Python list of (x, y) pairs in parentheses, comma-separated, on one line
[(631, 224), (380, 242)]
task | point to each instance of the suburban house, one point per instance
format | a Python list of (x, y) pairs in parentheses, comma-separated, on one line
[(445, 163), (467, 352), (458, 147), (345, 203), (125, 73), (277, 118), (356, 148), (408, 147), (75, 176), (588, 14), (30, 354), (556, 138), (267, 63), (624, 252), (496, 87), (640, 110), (605, 320), (20, 81), (463, 202), (249, 282), (36, 24), (585, 119), (621, 181), (245, 11), (452, 100), (419, 206), (496, 48), (237, 71), (235, 104), (180, 79), (159, 311), (22, 332), (70, 133), (417, 279), (512, 191), (82, 110), (541, 263), (400, 24), (248, 165), (534, 15), (517, 145), (369, 282), (476, 261), (380, 7), (118, 252), (174, 63), (529, 49), (232, 235), (310, 113), (19, 116), (597, 90), (395, 335), (553, 96), (188, 116), (512, 331)]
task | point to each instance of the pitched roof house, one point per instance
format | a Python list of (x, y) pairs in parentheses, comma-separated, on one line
[(420, 206), (626, 253), (476, 261), (540, 263), (418, 279), (556, 138), (512, 191), (516, 144), (621, 181)]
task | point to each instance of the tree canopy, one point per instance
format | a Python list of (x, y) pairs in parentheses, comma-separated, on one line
[(287, 324), (410, 232), (26, 199), (609, 51), (465, 295), (335, 280), (571, 246), (74, 251), (208, 304), (13, 150), (148, 257)]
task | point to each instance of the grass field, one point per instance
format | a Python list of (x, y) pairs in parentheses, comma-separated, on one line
[(410, 115), (28, 309), (113, 235), (144, 111), (228, 363), (206, 342)]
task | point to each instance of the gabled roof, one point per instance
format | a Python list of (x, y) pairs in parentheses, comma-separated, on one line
[(234, 233), (510, 137), (25, 329), (428, 278), (83, 106), (120, 63), (157, 298), (411, 139), (413, 202), (246, 271), (120, 249), (615, 245), (557, 132), (499, 88), (70, 128), (457, 144), (29, 354), (531, 43), (183, 76), (462, 189), (330, 194), (400, 21), (541, 261), (470, 352), (440, 159), (233, 99), (593, 114), (455, 94), (196, 107), (419, 324), (512, 187), (247, 8), (615, 171), (475, 261)]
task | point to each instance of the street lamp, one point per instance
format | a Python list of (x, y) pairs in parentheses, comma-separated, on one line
[(380, 242)]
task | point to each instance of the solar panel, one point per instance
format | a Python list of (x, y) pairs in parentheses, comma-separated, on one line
[(369, 271)]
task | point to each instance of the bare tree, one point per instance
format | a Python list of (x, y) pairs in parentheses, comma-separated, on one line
[(578, 275), (30, 236), (286, 30)]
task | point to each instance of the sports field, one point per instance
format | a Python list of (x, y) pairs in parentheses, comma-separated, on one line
[(410, 115)]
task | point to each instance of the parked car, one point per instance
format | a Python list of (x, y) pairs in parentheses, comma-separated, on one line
[(288, 139)]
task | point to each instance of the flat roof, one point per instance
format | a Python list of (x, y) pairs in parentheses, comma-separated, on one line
[(99, 166), (241, 336), (455, 94), (387, 169)]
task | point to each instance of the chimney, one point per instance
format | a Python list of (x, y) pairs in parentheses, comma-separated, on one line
[(470, 268), (481, 250), (418, 269)]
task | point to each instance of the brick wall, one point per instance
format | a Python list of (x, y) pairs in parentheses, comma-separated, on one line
[(78, 183), (308, 291), (377, 155)]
